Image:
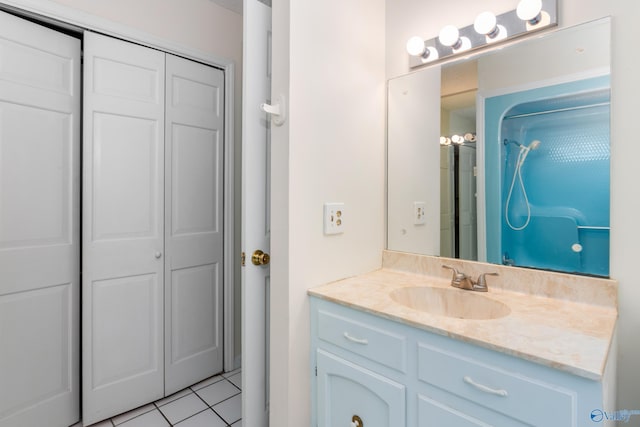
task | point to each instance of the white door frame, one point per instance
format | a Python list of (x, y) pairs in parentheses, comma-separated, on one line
[(47, 10), (256, 212)]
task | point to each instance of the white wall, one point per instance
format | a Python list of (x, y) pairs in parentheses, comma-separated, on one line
[(198, 24), (415, 17), (329, 60)]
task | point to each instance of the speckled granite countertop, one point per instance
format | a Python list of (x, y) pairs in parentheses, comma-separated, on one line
[(562, 321)]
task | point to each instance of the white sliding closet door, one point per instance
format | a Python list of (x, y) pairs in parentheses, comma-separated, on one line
[(194, 238), (123, 226), (39, 225)]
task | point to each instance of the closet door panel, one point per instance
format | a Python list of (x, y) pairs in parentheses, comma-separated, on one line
[(132, 332), (124, 205), (194, 192), (194, 291), (39, 225), (195, 163), (123, 227)]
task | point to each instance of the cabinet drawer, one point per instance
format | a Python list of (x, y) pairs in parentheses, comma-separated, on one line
[(434, 413), (367, 340), (517, 396)]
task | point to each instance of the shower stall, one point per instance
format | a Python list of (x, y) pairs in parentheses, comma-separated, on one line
[(547, 177)]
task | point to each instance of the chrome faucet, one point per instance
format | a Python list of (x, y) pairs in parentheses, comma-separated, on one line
[(462, 281)]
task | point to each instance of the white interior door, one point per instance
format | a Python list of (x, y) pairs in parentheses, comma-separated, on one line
[(255, 213), (194, 222), (39, 225), (123, 227)]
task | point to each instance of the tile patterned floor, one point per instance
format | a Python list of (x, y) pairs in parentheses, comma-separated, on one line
[(214, 402)]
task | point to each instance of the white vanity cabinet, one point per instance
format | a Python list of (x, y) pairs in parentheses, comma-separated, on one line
[(390, 374), (351, 371)]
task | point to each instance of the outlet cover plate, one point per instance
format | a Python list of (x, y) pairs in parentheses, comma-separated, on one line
[(333, 218), (419, 209)]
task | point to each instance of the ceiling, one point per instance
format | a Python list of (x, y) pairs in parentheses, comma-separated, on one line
[(233, 5)]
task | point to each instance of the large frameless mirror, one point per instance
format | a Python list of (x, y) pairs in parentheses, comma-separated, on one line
[(504, 156)]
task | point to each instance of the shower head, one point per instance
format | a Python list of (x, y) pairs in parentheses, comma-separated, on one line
[(524, 150), (534, 144)]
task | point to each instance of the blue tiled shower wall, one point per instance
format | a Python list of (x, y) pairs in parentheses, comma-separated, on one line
[(566, 178)]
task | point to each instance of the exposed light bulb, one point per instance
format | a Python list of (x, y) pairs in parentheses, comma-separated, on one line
[(470, 137), (486, 23), (415, 46), (450, 36), (457, 139), (529, 10)]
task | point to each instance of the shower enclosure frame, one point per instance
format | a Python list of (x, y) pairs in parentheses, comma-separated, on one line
[(490, 186)]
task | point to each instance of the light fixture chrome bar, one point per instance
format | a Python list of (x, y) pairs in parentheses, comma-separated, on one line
[(509, 22)]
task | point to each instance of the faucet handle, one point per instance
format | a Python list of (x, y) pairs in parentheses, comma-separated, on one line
[(482, 281), (456, 274), (458, 277)]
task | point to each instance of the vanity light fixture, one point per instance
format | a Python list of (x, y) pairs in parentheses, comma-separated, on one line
[(450, 36), (529, 10), (529, 16), (445, 141), (486, 23), (470, 137), (457, 139), (416, 47), (532, 12)]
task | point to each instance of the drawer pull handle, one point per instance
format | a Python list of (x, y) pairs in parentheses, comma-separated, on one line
[(484, 388), (356, 421), (362, 341)]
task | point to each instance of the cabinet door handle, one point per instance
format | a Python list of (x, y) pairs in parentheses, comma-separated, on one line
[(484, 388), (362, 341)]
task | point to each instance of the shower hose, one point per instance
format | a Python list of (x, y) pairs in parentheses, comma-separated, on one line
[(517, 174)]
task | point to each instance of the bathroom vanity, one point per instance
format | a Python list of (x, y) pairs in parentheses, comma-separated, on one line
[(536, 349)]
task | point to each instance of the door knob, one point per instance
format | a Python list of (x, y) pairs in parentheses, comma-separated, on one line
[(260, 258), (158, 254)]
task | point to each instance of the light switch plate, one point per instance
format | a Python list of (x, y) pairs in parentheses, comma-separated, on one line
[(333, 218), (419, 209)]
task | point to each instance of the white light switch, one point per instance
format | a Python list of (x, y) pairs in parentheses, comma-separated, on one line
[(419, 209), (333, 218)]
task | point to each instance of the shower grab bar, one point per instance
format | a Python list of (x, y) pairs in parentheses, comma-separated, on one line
[(558, 110), (593, 227)]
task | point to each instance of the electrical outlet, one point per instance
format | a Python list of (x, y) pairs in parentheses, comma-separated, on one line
[(333, 218), (419, 209)]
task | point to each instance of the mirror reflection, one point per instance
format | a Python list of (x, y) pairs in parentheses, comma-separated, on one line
[(458, 170), (520, 137)]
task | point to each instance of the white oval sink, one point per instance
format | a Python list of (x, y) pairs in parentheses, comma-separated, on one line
[(450, 302)]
